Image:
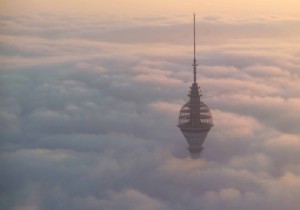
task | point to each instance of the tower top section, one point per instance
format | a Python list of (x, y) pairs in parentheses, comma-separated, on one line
[(195, 62), (195, 119)]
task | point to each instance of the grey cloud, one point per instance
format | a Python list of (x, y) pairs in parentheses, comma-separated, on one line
[(274, 111), (89, 124), (175, 30)]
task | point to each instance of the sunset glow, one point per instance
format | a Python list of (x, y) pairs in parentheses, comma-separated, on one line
[(154, 7)]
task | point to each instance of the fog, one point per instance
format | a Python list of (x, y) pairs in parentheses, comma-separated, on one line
[(89, 108)]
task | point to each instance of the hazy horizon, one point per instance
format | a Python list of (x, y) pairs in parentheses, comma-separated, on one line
[(237, 8)]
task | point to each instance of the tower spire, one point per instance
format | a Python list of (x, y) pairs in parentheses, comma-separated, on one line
[(195, 63)]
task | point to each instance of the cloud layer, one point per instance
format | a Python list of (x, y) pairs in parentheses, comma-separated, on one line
[(89, 107)]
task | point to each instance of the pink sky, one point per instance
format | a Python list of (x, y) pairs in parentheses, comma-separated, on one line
[(139, 7)]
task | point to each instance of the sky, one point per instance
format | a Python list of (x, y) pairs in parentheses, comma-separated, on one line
[(142, 7), (90, 96)]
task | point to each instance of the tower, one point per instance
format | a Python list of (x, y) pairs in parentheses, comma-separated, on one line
[(195, 119)]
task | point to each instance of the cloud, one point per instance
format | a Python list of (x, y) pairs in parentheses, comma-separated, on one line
[(88, 114)]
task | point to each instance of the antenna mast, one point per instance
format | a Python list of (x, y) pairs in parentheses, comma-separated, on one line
[(195, 63)]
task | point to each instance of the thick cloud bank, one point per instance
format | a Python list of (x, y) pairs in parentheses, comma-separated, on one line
[(89, 107)]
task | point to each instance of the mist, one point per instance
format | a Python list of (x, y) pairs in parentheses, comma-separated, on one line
[(89, 109)]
